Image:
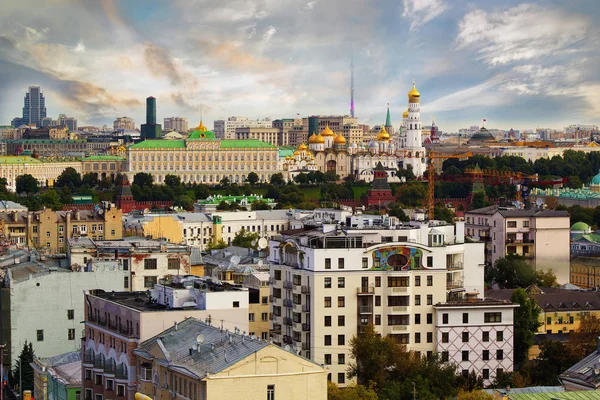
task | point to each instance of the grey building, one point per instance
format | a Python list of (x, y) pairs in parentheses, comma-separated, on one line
[(34, 109)]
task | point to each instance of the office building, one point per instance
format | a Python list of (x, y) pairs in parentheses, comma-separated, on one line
[(34, 109), (151, 130), (124, 123), (267, 134), (225, 129), (200, 362), (176, 124)]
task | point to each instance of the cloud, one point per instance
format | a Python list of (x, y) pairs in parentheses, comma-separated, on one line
[(269, 33), (422, 11), (161, 64), (524, 32), (482, 95), (181, 101), (310, 5), (91, 98), (80, 48)]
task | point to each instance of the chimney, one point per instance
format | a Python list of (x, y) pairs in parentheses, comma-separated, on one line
[(502, 201), (175, 325)]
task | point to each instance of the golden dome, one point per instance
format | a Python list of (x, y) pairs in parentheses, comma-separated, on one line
[(302, 147), (414, 96), (316, 139), (296, 153), (339, 139), (201, 127), (327, 131), (405, 115), (383, 135)]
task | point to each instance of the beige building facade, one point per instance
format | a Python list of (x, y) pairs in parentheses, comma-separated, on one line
[(46, 172)]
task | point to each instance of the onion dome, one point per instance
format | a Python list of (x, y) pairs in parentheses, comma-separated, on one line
[(383, 135), (372, 144), (302, 147), (405, 114), (339, 139), (201, 127), (327, 131), (296, 153), (414, 96), (316, 139)]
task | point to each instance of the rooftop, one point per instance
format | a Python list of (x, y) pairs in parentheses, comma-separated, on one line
[(514, 212), (181, 144), (103, 158), (555, 300), (126, 244), (585, 373)]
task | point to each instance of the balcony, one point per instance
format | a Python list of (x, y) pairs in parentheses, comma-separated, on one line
[(276, 328), (287, 321), (305, 289), (305, 346), (288, 303), (399, 328), (397, 309), (297, 307), (288, 284), (121, 372), (305, 327), (454, 284), (365, 309), (305, 307), (365, 290), (455, 266), (287, 339)]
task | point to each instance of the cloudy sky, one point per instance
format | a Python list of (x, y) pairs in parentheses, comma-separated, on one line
[(518, 64)]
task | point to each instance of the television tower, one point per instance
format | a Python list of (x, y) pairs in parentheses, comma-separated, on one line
[(352, 86)]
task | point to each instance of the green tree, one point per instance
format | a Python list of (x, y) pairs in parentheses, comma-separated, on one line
[(259, 205), (351, 392), (331, 176), (69, 178), (27, 184), (411, 194), (24, 375), (399, 213), (585, 340), (474, 395), (143, 179), (202, 191), (511, 272), (225, 182), (51, 199), (479, 201), (555, 358), (443, 213), (244, 238), (223, 206), (277, 179), (526, 323), (221, 244), (547, 278), (90, 179), (302, 179), (252, 178), (185, 202), (173, 181)]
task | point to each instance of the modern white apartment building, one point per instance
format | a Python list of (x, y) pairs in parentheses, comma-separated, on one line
[(330, 280), (476, 335), (225, 129), (264, 134), (178, 124)]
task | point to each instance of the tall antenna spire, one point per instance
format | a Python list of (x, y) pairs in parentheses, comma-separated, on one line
[(352, 86)]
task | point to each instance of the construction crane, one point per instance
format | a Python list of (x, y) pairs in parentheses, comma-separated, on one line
[(431, 176), (509, 177)]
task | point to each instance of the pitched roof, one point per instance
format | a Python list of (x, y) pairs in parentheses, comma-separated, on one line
[(585, 373), (159, 144), (515, 213), (551, 299)]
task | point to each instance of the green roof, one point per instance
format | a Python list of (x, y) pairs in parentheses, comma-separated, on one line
[(159, 144), (233, 199), (245, 144), (580, 394), (103, 158), (18, 160), (285, 152), (388, 118), (580, 226), (202, 135)]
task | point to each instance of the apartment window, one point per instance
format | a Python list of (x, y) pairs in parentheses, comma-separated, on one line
[(341, 378), (327, 320), (365, 262), (40, 335), (417, 337), (327, 283), (98, 379), (341, 359), (500, 336), (429, 337), (465, 318), (173, 263), (327, 359), (71, 334), (525, 224), (327, 340), (511, 224), (485, 355), (150, 263), (398, 281), (429, 318), (297, 280), (341, 301), (88, 374), (340, 263), (445, 337), (417, 299), (492, 317), (328, 263), (251, 317), (429, 299), (341, 282), (236, 304), (327, 302), (265, 299), (126, 282), (485, 373), (418, 280), (377, 319), (121, 390), (485, 336), (264, 317), (445, 356), (465, 355), (110, 385), (429, 280), (499, 354), (430, 261), (341, 320), (150, 281), (377, 281), (270, 392), (70, 314), (341, 340), (377, 301), (465, 337), (417, 319)]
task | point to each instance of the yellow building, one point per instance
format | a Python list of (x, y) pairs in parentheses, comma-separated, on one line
[(197, 361), (46, 171), (50, 230), (104, 166), (585, 272)]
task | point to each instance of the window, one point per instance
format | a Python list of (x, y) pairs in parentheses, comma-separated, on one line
[(270, 392), (150, 281), (341, 301), (47, 234), (121, 390), (417, 299), (236, 304), (417, 337), (464, 373), (429, 299), (328, 263), (341, 359), (429, 337), (417, 319), (525, 224), (251, 317), (445, 356), (126, 282), (492, 317), (265, 299), (110, 385), (365, 262), (499, 354), (398, 281), (500, 336), (98, 379), (485, 336), (70, 314), (465, 337), (341, 340), (485, 355), (173, 263), (150, 263), (341, 320), (377, 281), (88, 374), (511, 224), (327, 302), (429, 280), (340, 263), (445, 337), (341, 377), (40, 335), (327, 340), (430, 261), (264, 317), (465, 355), (327, 359), (485, 373), (465, 318), (418, 280), (327, 283), (71, 334), (377, 301), (112, 232), (341, 282), (377, 319), (327, 320), (429, 318), (265, 335)]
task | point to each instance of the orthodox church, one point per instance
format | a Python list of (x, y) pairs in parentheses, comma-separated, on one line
[(413, 152)]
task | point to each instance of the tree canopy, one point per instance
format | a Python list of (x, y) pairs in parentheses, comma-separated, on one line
[(69, 178), (27, 184), (526, 323)]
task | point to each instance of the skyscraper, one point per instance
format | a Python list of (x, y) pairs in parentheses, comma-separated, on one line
[(35, 106), (151, 130)]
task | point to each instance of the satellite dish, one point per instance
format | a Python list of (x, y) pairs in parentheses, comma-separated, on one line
[(254, 242), (287, 347), (200, 339), (539, 202), (195, 347), (100, 211), (262, 243), (235, 260)]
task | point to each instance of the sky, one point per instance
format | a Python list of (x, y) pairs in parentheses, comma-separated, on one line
[(521, 65)]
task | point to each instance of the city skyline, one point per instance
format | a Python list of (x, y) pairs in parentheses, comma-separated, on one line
[(519, 65)]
